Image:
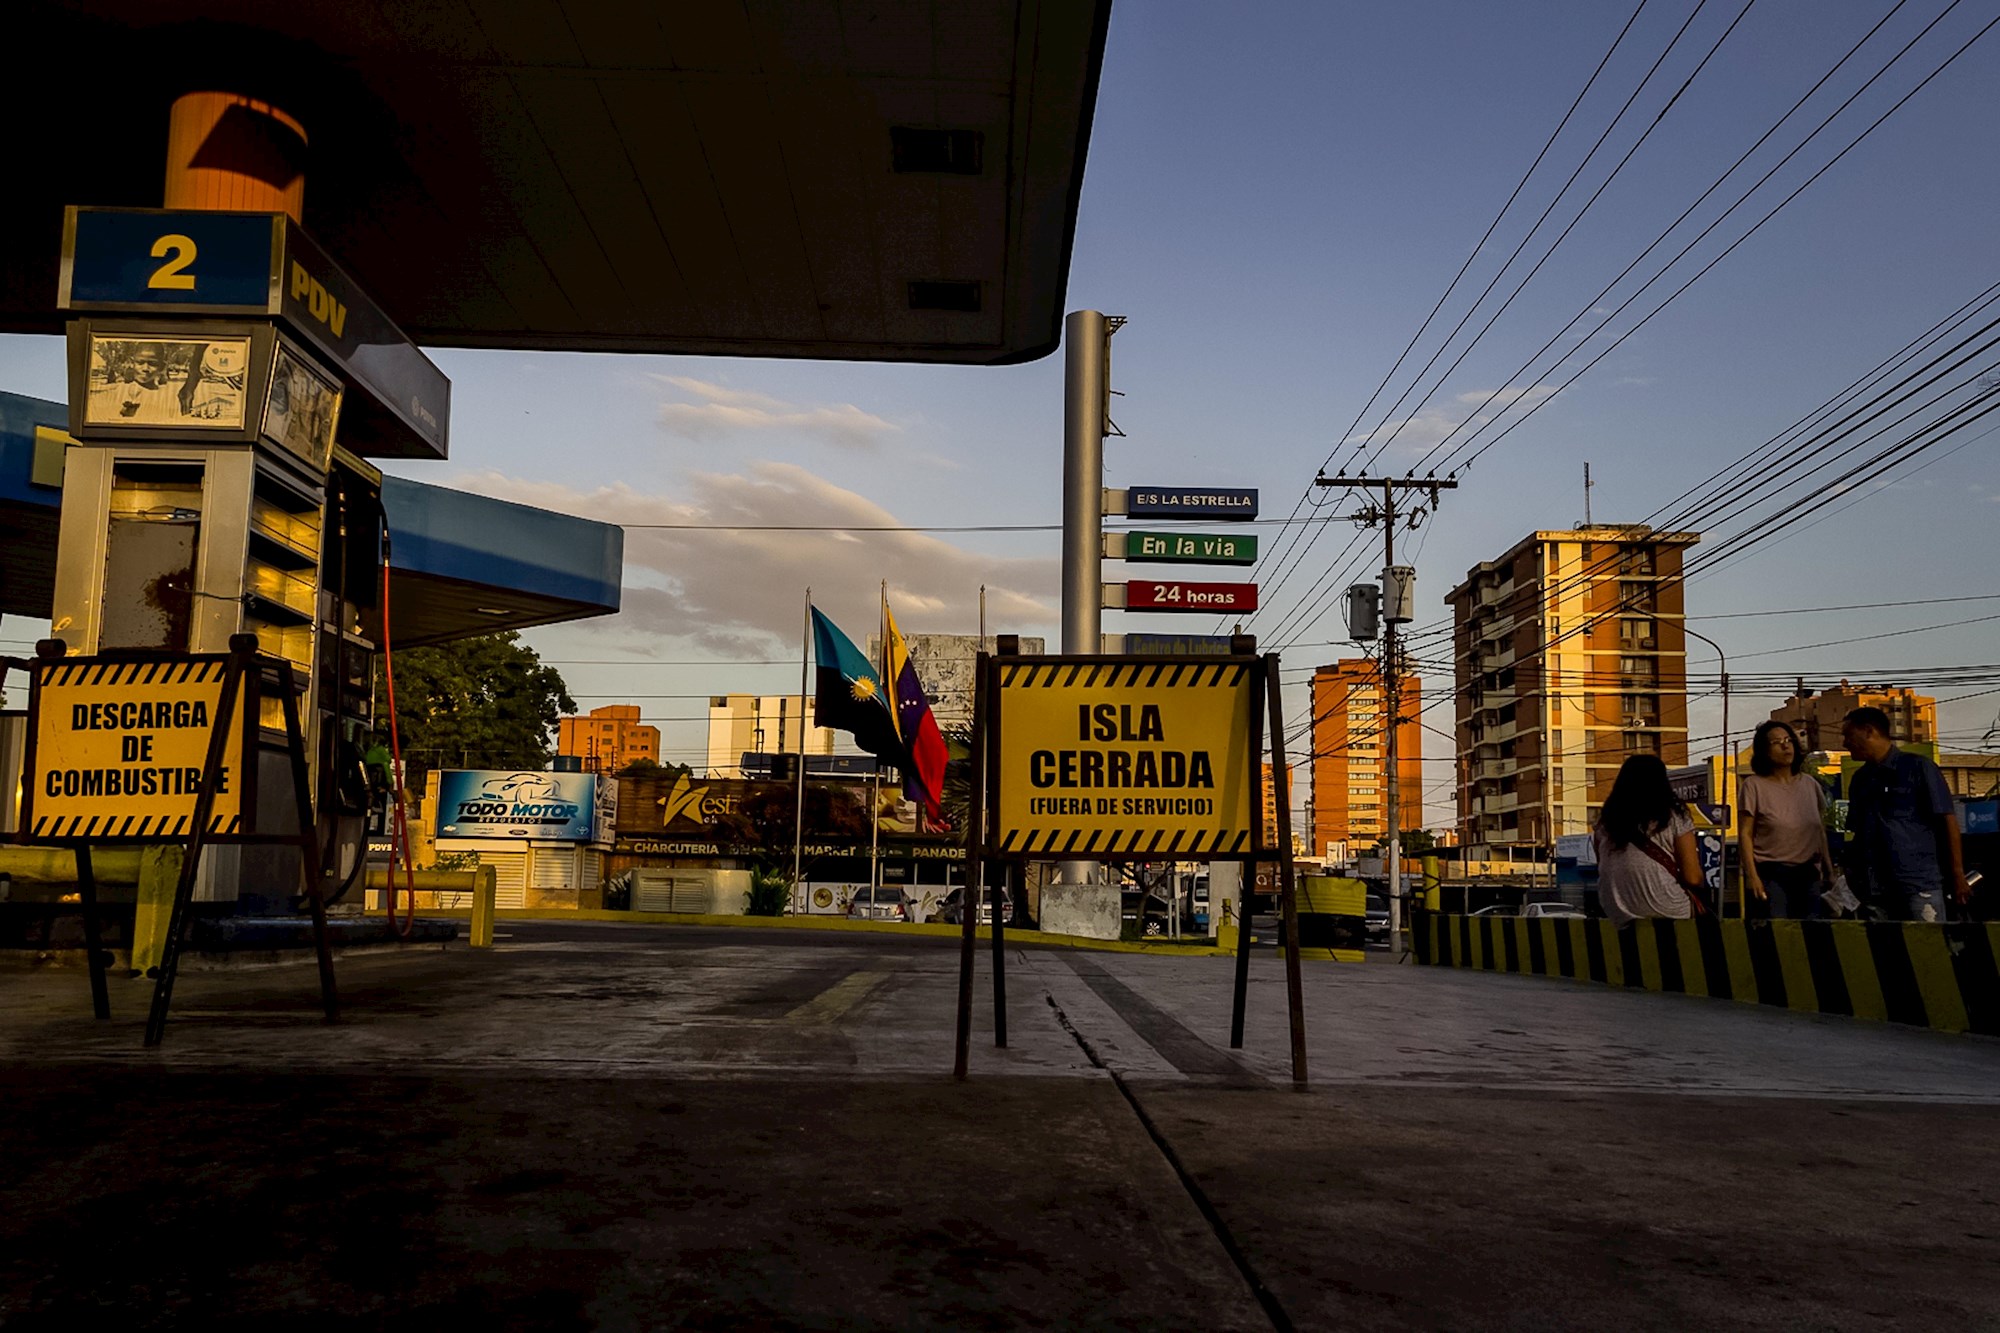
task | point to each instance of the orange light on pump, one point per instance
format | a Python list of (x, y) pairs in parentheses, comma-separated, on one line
[(227, 152)]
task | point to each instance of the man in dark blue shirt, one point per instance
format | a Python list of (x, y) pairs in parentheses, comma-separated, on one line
[(1903, 850)]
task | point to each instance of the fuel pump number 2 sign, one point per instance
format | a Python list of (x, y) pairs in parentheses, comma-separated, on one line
[(118, 749)]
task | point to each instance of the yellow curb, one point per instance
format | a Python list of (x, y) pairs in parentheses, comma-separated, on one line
[(933, 929)]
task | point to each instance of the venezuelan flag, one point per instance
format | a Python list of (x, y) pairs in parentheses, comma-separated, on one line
[(923, 776)]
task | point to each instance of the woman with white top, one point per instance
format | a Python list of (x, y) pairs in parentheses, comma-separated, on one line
[(1781, 837), (1647, 862)]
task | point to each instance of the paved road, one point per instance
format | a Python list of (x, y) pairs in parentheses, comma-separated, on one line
[(608, 1126)]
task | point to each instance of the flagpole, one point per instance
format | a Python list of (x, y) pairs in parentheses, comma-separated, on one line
[(799, 815), (875, 802), (975, 873)]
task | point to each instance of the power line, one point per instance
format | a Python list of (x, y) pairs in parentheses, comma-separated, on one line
[(1731, 248), (1452, 286)]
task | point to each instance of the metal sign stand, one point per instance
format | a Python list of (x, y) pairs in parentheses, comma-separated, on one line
[(237, 699), (987, 709)]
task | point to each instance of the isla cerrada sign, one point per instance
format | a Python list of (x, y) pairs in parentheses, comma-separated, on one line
[(1109, 756), (1156, 595)]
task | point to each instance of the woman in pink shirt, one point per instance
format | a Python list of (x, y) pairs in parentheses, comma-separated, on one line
[(1781, 837)]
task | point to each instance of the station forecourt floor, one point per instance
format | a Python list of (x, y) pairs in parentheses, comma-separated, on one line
[(595, 1125)]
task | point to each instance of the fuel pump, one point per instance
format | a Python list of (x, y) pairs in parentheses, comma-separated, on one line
[(228, 383)]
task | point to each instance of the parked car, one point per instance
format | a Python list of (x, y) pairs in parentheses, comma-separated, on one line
[(1552, 909), (1377, 910), (952, 910), (885, 903), (1156, 910), (1498, 909)]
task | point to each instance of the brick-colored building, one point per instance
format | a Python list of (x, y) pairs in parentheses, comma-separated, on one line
[(608, 738), (1816, 718), (1350, 765), (1572, 655)]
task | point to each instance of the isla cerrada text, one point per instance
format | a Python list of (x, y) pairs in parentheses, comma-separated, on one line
[(1122, 765)]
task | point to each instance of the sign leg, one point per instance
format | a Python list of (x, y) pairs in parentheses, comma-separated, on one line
[(204, 808), (309, 865), (1003, 905), (1281, 778), (93, 940), (975, 882), (1244, 885)]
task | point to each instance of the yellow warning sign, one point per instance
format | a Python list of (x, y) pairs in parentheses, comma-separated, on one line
[(1137, 758), (118, 749)]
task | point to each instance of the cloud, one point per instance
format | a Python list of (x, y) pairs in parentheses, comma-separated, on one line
[(1640, 381), (739, 593), (1508, 396), (715, 411), (1417, 434)]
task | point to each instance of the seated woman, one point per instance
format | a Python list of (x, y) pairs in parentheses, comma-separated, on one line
[(1647, 862)]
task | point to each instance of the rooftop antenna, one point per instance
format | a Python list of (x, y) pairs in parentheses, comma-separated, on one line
[(1586, 495)]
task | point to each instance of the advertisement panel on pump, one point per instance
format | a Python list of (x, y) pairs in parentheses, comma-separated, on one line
[(504, 803)]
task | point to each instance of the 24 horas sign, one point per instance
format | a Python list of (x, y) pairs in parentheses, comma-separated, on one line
[(1133, 758)]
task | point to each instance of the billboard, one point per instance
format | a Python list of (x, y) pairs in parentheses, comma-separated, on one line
[(504, 803)]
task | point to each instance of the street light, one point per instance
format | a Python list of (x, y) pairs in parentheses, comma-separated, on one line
[(1728, 752)]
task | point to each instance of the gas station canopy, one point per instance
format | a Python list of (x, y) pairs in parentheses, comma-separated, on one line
[(820, 178), (460, 564)]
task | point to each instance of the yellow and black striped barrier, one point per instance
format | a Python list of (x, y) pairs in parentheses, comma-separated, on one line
[(1928, 975)]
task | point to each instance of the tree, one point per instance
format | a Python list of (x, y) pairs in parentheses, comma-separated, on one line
[(1415, 842), (485, 702), (642, 767)]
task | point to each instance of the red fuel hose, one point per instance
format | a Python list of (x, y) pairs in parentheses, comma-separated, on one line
[(399, 828)]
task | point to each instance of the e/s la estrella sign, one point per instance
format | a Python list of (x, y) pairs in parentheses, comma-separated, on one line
[(1239, 502), (1101, 757), (503, 803), (119, 748)]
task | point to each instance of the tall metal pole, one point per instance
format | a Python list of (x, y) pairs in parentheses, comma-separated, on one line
[(799, 814), (1728, 758), (1086, 391)]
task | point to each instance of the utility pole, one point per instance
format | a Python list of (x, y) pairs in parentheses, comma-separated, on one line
[(1398, 595)]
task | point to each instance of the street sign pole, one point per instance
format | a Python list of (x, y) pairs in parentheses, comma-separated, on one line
[(1086, 418)]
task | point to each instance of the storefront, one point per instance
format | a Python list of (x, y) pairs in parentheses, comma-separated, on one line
[(690, 845), (543, 834)]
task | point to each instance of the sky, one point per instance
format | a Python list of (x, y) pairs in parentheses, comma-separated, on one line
[(1276, 197)]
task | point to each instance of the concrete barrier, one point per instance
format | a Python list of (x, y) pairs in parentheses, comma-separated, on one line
[(1936, 976)]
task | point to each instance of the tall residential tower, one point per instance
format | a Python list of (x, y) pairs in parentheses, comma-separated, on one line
[(1571, 656), (1350, 762)]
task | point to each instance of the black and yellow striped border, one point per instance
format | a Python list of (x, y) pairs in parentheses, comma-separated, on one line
[(1142, 675), (112, 827), (95, 671), (1941, 976), (1182, 844)]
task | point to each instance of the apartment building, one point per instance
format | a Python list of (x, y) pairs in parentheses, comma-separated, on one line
[(1350, 764), (1571, 656), (740, 724), (608, 738), (1816, 718)]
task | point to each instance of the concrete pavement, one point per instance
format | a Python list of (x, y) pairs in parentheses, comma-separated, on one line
[(603, 1126)]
